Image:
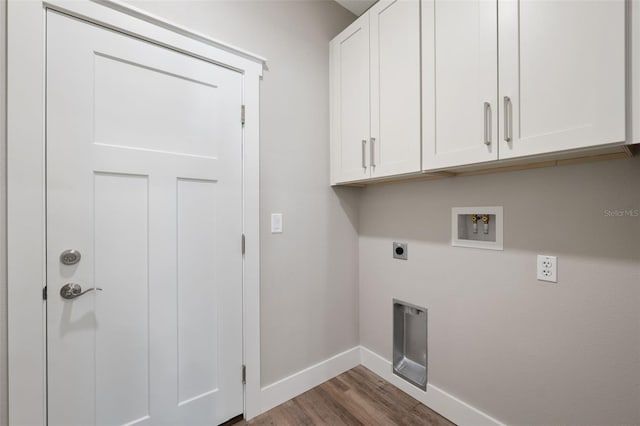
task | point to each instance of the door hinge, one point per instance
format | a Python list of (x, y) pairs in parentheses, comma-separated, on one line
[(242, 114), (44, 293), (243, 244), (244, 374)]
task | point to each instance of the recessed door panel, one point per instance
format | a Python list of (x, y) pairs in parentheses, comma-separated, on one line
[(121, 231), (198, 298)]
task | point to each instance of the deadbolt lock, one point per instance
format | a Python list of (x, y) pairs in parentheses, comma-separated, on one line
[(70, 257)]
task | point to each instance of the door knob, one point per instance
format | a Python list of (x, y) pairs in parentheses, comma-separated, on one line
[(73, 290)]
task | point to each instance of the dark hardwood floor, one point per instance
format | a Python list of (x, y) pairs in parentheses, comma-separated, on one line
[(357, 397)]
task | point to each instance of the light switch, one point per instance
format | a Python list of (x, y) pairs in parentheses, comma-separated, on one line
[(276, 223)]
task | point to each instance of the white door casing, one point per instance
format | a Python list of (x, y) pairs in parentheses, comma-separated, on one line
[(565, 79), (459, 76), (26, 185)]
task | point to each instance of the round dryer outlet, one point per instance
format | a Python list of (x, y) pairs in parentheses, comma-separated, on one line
[(400, 250)]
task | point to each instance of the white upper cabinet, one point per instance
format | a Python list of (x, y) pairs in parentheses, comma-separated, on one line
[(375, 94), (459, 82), (395, 87), (562, 75), (437, 85), (550, 74), (350, 103)]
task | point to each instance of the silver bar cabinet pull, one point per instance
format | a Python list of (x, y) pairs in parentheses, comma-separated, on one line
[(487, 123), (373, 152), (364, 149), (508, 119)]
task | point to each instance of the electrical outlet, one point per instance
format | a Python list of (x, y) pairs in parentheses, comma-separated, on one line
[(547, 268)]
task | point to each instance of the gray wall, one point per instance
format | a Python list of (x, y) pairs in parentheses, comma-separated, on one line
[(308, 273), (3, 270), (523, 351)]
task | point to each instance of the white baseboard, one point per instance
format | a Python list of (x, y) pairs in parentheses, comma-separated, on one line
[(300, 382), (438, 400), (435, 398)]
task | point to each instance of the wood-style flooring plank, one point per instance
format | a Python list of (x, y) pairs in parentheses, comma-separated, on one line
[(356, 397)]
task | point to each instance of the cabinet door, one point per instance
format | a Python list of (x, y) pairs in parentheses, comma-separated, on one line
[(459, 92), (350, 103), (562, 66), (395, 87)]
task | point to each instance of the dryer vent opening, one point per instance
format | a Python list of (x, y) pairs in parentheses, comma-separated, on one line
[(410, 343)]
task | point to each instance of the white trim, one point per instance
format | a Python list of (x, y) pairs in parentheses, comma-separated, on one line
[(195, 35), (26, 195), (25, 212), (251, 273), (435, 398), (78, 10), (634, 68), (133, 21), (300, 382)]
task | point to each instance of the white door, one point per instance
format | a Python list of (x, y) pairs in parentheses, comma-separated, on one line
[(459, 92), (562, 75), (350, 103), (395, 87), (144, 179)]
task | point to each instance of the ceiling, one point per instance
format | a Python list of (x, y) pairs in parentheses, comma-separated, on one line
[(356, 6)]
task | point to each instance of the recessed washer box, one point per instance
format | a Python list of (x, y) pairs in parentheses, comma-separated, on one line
[(477, 227)]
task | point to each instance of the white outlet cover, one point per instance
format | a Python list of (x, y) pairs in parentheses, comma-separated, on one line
[(276, 223), (547, 269)]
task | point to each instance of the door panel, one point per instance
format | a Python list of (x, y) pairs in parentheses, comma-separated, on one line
[(121, 234), (459, 59), (127, 103), (144, 178), (395, 87), (197, 346), (565, 79), (350, 102)]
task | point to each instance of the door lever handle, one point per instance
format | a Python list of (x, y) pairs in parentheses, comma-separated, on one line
[(73, 290)]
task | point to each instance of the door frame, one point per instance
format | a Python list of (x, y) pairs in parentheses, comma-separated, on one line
[(26, 208)]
